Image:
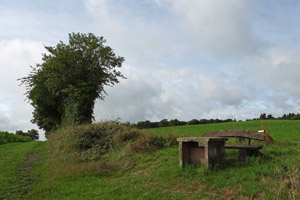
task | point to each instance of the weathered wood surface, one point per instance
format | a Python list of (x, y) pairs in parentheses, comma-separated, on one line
[(243, 147), (201, 139), (237, 147), (250, 134)]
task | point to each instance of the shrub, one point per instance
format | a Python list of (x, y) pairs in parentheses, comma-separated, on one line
[(6, 137), (90, 142), (150, 142)]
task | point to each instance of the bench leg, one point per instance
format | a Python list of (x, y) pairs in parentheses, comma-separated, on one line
[(184, 153), (214, 153)]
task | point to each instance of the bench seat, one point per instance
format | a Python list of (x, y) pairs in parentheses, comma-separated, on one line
[(242, 147), (227, 146)]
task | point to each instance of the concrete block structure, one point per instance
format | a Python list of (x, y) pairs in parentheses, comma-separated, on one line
[(208, 151)]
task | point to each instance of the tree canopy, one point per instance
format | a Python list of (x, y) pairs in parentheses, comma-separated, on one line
[(64, 87)]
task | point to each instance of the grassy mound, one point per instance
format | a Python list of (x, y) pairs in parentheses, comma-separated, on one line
[(90, 142), (6, 137)]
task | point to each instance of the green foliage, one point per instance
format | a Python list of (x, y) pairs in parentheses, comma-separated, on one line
[(163, 123), (193, 121), (150, 142), (33, 134), (6, 137), (90, 142), (63, 89)]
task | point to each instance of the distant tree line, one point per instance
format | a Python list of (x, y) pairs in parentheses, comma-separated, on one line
[(33, 134), (175, 122), (290, 116), (6, 137)]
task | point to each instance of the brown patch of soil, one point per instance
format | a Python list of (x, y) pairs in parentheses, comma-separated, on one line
[(25, 169), (28, 163), (229, 193), (190, 189), (32, 157)]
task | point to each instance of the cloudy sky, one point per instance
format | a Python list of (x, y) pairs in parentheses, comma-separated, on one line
[(184, 59)]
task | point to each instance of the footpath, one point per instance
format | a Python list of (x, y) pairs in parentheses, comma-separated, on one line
[(18, 162)]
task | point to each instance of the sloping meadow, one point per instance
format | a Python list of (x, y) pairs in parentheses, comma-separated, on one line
[(84, 147), (111, 161)]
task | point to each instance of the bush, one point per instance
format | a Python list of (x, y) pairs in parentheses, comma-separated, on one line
[(149, 142), (6, 137), (90, 142)]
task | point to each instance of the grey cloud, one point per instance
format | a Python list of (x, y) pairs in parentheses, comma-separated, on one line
[(141, 40), (221, 27), (6, 125), (279, 69), (187, 93), (137, 98), (16, 56), (170, 61), (49, 21), (166, 93)]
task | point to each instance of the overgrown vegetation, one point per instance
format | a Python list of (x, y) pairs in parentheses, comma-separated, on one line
[(90, 142), (6, 137)]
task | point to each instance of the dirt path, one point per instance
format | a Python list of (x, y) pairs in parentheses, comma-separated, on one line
[(25, 169), (29, 161)]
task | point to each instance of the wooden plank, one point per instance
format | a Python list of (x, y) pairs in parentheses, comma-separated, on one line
[(237, 147), (201, 139), (243, 147), (250, 134)]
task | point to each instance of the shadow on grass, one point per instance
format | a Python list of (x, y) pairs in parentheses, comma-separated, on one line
[(231, 161)]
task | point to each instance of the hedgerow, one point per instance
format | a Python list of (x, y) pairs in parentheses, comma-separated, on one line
[(6, 137)]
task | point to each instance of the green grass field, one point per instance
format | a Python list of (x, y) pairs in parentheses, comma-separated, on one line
[(156, 174)]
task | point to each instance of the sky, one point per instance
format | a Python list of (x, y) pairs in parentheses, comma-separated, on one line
[(184, 59)]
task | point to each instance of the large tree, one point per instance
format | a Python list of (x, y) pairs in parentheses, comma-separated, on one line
[(64, 87)]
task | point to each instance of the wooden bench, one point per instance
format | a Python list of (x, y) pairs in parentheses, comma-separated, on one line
[(248, 135), (209, 149)]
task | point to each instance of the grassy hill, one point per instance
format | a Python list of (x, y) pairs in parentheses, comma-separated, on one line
[(52, 169)]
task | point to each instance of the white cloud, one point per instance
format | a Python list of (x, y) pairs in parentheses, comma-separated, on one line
[(16, 56), (171, 93), (184, 59), (219, 27), (279, 69), (140, 40)]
